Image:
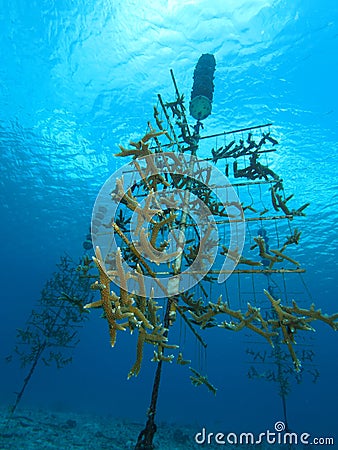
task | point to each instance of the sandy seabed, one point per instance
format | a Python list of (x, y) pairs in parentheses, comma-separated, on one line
[(46, 429)]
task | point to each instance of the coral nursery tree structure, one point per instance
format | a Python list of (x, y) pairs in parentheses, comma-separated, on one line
[(51, 332), (169, 229)]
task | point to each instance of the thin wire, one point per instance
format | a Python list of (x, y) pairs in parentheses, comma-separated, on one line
[(254, 288), (239, 290), (227, 294), (260, 197), (306, 288), (277, 234), (285, 290)]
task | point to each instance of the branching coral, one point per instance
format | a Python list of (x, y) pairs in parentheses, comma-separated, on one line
[(158, 226), (141, 148), (292, 319), (278, 255), (197, 379), (235, 256), (128, 311), (279, 203), (52, 329)]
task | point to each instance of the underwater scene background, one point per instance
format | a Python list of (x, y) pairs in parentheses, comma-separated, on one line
[(77, 79)]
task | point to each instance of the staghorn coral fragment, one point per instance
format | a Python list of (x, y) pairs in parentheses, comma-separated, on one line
[(152, 253), (249, 207), (169, 201), (249, 262), (287, 323), (134, 324), (159, 356), (135, 152), (274, 199), (140, 280), (263, 254), (314, 314), (155, 180), (255, 169), (135, 370), (97, 304), (138, 275), (180, 360), (159, 124), (197, 380), (121, 221), (171, 346), (292, 319), (158, 226), (152, 134), (292, 239), (133, 249), (122, 276), (204, 319), (139, 314), (264, 211), (244, 320), (150, 179), (109, 301), (146, 213), (156, 117), (153, 307), (157, 336), (281, 255), (299, 211), (282, 205), (125, 197), (121, 326), (96, 286), (141, 148), (236, 257), (112, 335), (278, 202)]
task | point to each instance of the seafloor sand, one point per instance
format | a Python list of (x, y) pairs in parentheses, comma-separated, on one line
[(44, 429)]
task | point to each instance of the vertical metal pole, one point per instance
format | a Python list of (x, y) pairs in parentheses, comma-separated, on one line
[(146, 436)]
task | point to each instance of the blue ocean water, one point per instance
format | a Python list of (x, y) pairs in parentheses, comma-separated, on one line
[(78, 78)]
